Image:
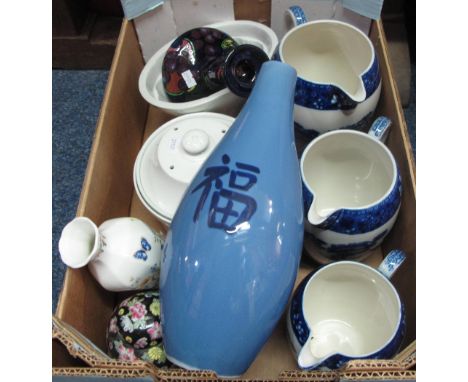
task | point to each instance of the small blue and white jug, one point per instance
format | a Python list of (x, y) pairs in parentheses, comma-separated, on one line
[(338, 76), (351, 190), (347, 310)]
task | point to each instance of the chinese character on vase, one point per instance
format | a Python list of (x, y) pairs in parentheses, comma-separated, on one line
[(229, 207)]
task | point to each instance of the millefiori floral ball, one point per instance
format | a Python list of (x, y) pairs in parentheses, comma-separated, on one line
[(134, 330)]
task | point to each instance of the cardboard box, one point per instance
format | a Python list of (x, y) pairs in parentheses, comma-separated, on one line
[(125, 121)]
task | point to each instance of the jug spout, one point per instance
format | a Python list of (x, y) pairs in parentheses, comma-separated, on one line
[(357, 92), (313, 354), (360, 94), (316, 218), (79, 242), (351, 92)]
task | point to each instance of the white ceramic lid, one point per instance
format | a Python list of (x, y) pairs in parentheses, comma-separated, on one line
[(171, 157)]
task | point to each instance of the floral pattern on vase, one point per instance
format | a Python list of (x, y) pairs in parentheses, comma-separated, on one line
[(134, 330)]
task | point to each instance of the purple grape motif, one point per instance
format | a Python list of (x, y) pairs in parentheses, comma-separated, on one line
[(200, 62)]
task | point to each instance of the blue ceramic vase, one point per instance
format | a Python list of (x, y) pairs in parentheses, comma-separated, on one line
[(233, 249)]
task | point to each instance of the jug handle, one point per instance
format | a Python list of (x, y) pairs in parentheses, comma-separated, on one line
[(391, 263), (380, 128), (295, 16)]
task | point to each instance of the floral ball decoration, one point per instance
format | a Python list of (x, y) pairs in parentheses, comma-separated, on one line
[(134, 330)]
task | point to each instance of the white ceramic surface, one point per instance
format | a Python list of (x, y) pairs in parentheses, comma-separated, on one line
[(224, 101), (170, 158), (122, 254), (329, 52)]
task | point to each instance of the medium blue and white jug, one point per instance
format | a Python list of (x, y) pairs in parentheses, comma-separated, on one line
[(233, 249), (352, 192)]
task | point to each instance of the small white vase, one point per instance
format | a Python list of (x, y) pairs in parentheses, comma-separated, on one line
[(122, 254)]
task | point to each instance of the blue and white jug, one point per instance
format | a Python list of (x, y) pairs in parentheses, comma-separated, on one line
[(233, 249), (347, 310), (338, 76), (352, 192)]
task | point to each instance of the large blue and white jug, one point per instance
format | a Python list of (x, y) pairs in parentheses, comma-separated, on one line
[(233, 249), (338, 77)]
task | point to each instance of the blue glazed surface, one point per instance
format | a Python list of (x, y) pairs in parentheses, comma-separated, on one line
[(296, 315), (358, 221), (233, 249), (391, 262), (299, 15), (372, 78), (337, 252), (380, 128), (302, 331), (329, 97), (361, 125)]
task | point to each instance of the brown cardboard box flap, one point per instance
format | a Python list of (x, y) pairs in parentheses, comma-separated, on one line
[(81, 347), (372, 376), (145, 375), (330, 376), (407, 356), (67, 374), (366, 369), (404, 360)]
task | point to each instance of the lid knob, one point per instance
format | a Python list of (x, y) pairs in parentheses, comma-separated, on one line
[(195, 141)]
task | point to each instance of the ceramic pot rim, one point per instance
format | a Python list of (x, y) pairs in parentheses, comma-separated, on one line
[(163, 218), (367, 136), (148, 144), (377, 273), (297, 27), (97, 241)]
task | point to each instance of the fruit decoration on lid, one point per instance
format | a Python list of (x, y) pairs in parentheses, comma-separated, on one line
[(203, 61)]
